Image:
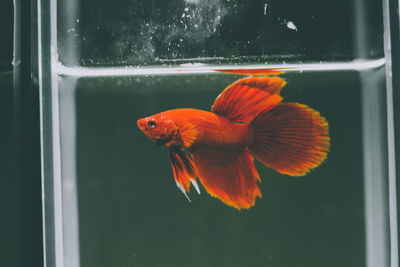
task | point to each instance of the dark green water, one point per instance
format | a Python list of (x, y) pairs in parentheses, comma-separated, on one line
[(132, 214), (10, 191)]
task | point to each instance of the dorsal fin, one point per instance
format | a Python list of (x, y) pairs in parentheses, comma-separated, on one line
[(244, 99)]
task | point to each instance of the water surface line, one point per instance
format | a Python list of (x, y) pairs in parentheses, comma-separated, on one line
[(200, 68)]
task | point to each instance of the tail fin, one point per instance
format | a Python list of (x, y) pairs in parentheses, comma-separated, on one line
[(290, 138)]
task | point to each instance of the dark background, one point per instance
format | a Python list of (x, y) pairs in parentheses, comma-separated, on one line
[(9, 189), (21, 224)]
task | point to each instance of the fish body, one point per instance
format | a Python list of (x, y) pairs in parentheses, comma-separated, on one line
[(208, 129), (247, 120)]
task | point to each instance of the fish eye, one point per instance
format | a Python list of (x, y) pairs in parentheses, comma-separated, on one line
[(152, 124)]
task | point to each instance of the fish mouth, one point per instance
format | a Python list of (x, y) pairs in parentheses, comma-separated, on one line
[(140, 124)]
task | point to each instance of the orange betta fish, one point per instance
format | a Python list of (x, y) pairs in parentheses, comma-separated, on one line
[(247, 120)]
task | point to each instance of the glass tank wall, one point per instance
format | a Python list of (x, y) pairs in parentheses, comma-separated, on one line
[(110, 198), (160, 33)]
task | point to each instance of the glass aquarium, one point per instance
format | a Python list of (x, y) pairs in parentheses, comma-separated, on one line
[(110, 198)]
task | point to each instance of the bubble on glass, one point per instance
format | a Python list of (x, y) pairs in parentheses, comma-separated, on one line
[(291, 25), (265, 9), (288, 23)]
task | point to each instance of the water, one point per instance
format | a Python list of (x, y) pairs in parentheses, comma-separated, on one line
[(121, 206)]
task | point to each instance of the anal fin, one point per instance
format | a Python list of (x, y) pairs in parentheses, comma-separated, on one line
[(228, 174)]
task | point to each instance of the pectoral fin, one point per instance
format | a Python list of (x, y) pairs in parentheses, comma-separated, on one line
[(189, 134)]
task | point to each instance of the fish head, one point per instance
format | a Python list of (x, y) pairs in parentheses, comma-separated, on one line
[(159, 128)]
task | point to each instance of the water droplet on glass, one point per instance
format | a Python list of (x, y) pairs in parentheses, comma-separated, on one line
[(291, 25)]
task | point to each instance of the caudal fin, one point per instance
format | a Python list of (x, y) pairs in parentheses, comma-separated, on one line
[(290, 138)]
